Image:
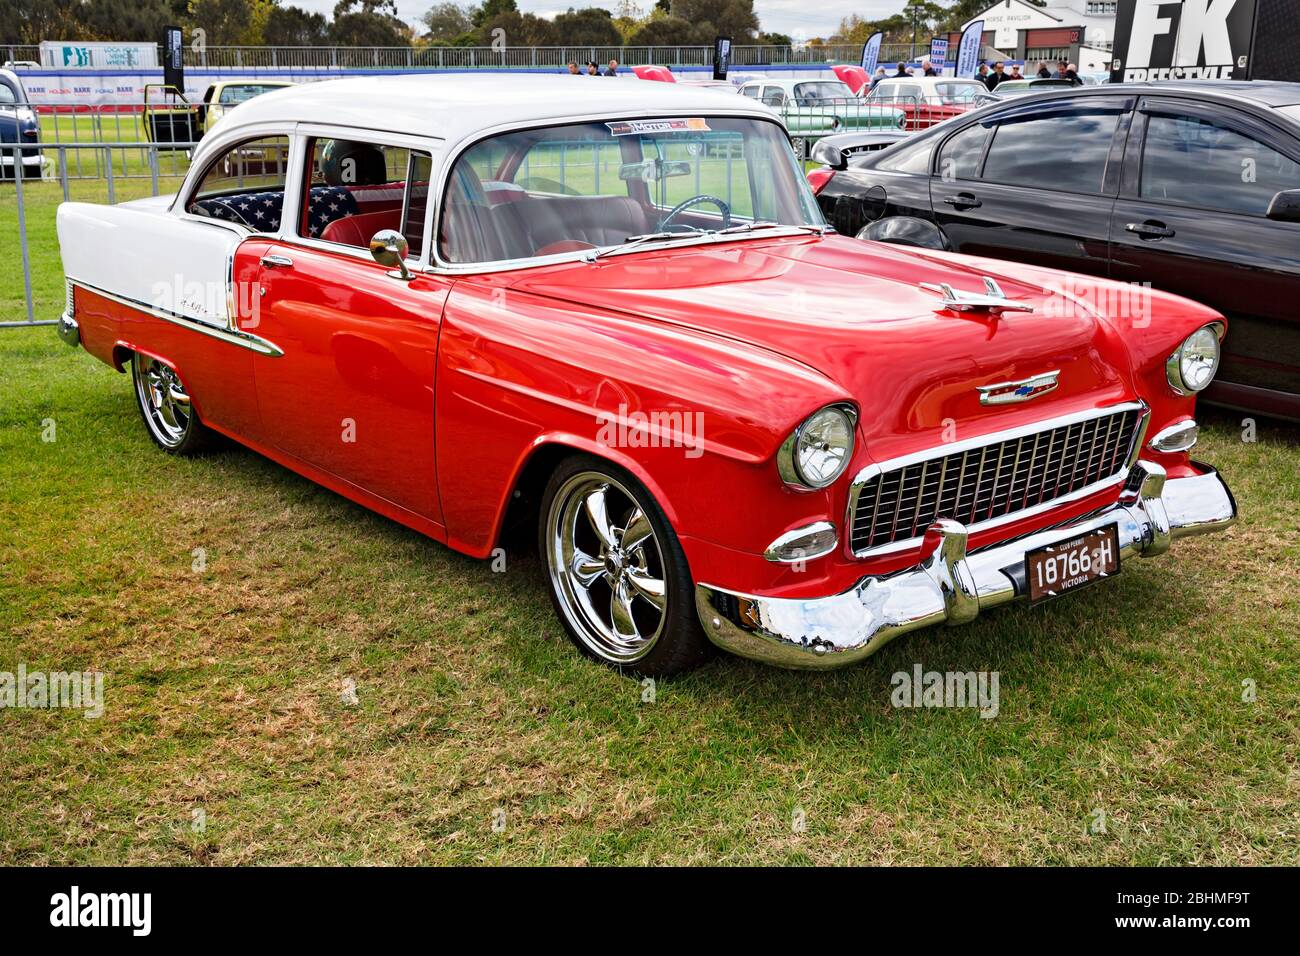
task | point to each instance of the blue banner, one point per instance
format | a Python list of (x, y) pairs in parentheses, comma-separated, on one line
[(871, 53), (968, 54)]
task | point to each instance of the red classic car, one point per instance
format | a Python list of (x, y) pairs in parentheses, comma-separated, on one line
[(618, 315), (927, 100)]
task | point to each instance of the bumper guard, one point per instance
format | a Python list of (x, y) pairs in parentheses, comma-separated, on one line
[(951, 586)]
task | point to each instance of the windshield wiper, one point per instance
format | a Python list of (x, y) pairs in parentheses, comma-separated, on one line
[(751, 226), (631, 242)]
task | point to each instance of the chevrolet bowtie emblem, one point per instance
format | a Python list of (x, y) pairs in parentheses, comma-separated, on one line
[(1007, 393), (994, 301)]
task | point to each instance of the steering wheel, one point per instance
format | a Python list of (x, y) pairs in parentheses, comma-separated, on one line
[(695, 201)]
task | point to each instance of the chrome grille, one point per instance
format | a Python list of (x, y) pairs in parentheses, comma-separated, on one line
[(976, 483)]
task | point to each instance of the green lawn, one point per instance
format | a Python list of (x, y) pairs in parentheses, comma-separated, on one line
[(225, 686)]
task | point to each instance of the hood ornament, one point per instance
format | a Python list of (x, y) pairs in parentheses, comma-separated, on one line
[(994, 301), (1008, 393)]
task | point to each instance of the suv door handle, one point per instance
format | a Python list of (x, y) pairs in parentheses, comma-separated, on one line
[(963, 201), (1151, 229), (273, 261)]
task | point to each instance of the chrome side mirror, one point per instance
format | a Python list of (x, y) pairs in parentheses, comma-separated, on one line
[(829, 155), (389, 247)]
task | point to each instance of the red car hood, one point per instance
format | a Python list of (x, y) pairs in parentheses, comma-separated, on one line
[(855, 312)]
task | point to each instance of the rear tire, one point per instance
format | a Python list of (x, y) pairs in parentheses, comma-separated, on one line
[(168, 414), (617, 575)]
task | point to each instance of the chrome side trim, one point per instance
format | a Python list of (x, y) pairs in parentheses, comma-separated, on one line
[(992, 438), (231, 336), (951, 585)]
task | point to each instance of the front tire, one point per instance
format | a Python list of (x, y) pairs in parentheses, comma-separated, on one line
[(617, 574), (168, 414)]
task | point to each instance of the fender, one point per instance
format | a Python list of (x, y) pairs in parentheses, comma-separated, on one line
[(906, 231)]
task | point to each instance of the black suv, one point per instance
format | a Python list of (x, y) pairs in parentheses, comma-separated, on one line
[(1192, 186)]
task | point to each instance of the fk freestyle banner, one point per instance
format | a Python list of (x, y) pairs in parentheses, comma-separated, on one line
[(1206, 39)]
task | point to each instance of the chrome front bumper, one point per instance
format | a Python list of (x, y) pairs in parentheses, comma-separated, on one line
[(951, 586), (68, 329)]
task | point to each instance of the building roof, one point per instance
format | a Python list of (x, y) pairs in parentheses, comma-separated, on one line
[(453, 106)]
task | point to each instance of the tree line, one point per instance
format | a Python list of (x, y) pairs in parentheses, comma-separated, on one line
[(376, 23)]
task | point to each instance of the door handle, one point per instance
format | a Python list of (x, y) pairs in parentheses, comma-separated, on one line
[(1150, 229), (963, 201), (274, 261)]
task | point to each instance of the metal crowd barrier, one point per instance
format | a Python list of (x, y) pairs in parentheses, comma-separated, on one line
[(450, 57), (56, 164)]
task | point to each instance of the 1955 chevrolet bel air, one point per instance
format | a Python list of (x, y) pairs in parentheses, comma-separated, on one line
[(617, 313)]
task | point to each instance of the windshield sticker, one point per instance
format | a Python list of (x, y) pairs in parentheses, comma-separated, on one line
[(695, 124)]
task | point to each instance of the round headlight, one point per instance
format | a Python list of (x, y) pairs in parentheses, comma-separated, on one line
[(1192, 367), (818, 451)]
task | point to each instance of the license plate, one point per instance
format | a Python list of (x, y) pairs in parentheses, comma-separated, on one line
[(1068, 565)]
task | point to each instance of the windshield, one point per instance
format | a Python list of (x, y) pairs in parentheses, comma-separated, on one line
[(595, 185), (961, 92), (822, 91), (241, 94)]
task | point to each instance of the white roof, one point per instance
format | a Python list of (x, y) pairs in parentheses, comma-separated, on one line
[(454, 106)]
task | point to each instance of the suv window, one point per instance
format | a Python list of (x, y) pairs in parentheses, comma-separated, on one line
[(963, 153), (1201, 163), (245, 185), (1065, 152), (357, 188)]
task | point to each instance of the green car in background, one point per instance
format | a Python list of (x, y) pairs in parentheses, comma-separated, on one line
[(812, 109)]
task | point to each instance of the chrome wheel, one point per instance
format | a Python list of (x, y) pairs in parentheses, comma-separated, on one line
[(165, 405), (606, 567)]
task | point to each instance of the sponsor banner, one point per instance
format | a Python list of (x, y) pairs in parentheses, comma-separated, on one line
[(77, 55), (1184, 39), (939, 52), (871, 53), (968, 52), (721, 57), (173, 58)]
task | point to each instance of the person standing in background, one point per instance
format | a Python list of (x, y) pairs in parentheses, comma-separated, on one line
[(573, 68), (1043, 72), (613, 68)]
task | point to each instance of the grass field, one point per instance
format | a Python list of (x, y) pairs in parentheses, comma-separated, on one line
[(478, 734)]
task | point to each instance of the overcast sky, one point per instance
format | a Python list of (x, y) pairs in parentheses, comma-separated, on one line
[(779, 16)]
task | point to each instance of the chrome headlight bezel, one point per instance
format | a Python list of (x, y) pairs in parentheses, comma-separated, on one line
[(1174, 364), (787, 458)]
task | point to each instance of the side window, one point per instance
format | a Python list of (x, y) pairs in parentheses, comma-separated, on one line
[(358, 188), (963, 153), (1201, 163), (245, 185), (1065, 152), (773, 96), (750, 91)]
